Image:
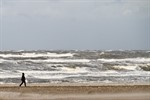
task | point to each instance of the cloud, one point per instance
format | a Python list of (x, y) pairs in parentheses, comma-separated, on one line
[(73, 8), (74, 23), (127, 12)]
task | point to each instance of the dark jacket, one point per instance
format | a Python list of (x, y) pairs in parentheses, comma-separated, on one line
[(23, 78)]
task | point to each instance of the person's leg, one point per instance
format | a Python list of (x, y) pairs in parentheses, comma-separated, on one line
[(21, 83), (25, 84)]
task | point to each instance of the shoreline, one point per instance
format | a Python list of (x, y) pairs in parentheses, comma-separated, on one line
[(74, 89), (75, 84), (74, 92)]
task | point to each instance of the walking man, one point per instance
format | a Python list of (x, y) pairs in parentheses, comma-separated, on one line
[(23, 79)]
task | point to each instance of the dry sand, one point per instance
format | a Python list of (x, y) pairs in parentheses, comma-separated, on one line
[(75, 92)]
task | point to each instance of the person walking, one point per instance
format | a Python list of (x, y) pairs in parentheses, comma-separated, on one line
[(23, 79)]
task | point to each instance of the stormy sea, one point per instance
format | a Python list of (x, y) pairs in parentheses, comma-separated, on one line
[(75, 66)]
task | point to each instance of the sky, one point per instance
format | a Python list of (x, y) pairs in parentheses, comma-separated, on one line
[(74, 24)]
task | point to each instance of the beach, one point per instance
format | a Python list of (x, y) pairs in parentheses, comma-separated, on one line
[(75, 92), (75, 75)]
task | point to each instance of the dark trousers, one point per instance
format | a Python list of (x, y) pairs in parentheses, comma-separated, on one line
[(22, 83)]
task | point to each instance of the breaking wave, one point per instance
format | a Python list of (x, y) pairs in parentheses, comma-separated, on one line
[(75, 66)]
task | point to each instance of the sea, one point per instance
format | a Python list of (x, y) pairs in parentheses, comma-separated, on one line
[(75, 66)]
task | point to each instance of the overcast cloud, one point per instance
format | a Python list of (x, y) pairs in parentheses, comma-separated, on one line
[(74, 24)]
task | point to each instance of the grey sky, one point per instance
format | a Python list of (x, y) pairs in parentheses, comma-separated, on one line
[(74, 24)]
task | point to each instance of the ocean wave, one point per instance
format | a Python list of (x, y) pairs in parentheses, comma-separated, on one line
[(35, 55), (75, 66), (129, 68), (145, 67), (139, 60), (61, 60)]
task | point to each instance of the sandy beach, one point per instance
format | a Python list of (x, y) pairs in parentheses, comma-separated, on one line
[(75, 92)]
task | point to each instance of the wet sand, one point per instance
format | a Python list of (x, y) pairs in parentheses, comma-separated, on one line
[(75, 92)]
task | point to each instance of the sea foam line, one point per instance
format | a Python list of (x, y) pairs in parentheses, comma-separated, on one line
[(24, 55)]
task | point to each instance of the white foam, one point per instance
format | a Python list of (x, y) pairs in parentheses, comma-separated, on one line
[(24, 55), (62, 60), (74, 70), (34, 72), (63, 70), (103, 73), (2, 60), (10, 61), (120, 74), (2, 83), (110, 71), (135, 73), (6, 75), (126, 67), (57, 76), (108, 50), (49, 77), (126, 60), (49, 74), (102, 53), (107, 81), (67, 72), (68, 60)]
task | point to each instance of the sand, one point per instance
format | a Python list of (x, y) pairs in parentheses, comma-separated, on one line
[(74, 92)]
